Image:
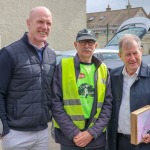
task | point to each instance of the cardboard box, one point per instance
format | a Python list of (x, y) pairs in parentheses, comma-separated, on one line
[(140, 124)]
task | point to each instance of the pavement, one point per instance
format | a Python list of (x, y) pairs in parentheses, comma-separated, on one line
[(52, 144)]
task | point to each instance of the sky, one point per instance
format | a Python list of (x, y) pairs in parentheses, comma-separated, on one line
[(101, 5)]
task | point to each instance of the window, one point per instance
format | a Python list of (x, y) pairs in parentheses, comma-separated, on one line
[(101, 18), (91, 18), (138, 31), (141, 15)]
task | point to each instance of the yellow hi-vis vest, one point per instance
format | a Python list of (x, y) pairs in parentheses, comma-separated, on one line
[(71, 99)]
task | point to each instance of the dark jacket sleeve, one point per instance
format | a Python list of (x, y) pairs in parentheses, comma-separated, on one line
[(6, 66), (58, 112), (105, 114)]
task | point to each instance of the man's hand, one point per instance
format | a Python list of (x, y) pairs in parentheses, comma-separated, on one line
[(146, 138), (82, 138)]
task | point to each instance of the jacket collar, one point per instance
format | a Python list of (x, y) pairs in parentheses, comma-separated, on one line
[(144, 71), (26, 40)]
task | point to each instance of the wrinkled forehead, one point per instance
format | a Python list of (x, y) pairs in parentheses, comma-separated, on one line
[(128, 44)]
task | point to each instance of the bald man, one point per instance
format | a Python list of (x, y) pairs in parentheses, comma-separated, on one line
[(26, 70)]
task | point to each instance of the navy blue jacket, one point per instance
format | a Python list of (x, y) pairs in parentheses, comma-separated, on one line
[(25, 86), (139, 97)]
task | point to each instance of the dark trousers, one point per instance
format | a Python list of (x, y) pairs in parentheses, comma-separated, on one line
[(66, 147), (124, 144)]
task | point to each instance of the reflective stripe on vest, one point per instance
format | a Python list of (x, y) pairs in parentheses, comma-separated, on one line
[(71, 98)]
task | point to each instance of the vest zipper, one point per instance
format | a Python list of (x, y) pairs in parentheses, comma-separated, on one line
[(42, 66)]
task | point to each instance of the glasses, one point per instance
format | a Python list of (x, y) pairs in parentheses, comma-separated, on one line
[(90, 43)]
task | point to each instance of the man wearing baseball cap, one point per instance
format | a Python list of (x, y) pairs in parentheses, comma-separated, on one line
[(82, 99)]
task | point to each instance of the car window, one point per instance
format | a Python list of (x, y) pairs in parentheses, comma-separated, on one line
[(110, 56), (138, 31), (99, 56)]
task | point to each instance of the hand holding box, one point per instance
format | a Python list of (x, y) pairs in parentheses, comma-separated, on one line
[(140, 124)]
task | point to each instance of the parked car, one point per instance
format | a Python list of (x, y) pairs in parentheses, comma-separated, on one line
[(56, 51), (107, 56), (99, 53), (138, 26)]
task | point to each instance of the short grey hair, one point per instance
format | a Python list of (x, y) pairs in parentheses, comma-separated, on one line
[(129, 38)]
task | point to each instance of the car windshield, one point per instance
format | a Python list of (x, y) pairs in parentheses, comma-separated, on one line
[(138, 31), (110, 56)]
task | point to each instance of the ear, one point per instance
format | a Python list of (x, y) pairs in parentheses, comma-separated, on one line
[(119, 54), (75, 44), (28, 22), (141, 50), (96, 44)]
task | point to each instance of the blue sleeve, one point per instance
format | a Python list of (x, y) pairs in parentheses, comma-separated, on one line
[(6, 68)]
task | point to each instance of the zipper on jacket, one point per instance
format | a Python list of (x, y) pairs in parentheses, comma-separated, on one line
[(42, 68)]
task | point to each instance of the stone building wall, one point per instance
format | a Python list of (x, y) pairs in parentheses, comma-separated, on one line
[(69, 16)]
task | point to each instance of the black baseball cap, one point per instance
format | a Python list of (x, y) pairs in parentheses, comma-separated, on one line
[(86, 34)]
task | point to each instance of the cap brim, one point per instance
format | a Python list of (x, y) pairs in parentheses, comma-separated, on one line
[(86, 38)]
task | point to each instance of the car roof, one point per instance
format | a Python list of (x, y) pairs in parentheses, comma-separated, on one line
[(105, 51), (136, 20), (73, 52)]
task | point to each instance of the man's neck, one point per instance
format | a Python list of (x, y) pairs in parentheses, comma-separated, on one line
[(39, 45), (131, 72), (85, 60)]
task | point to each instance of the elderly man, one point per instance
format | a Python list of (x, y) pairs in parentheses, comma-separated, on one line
[(82, 99), (130, 89), (26, 70)]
